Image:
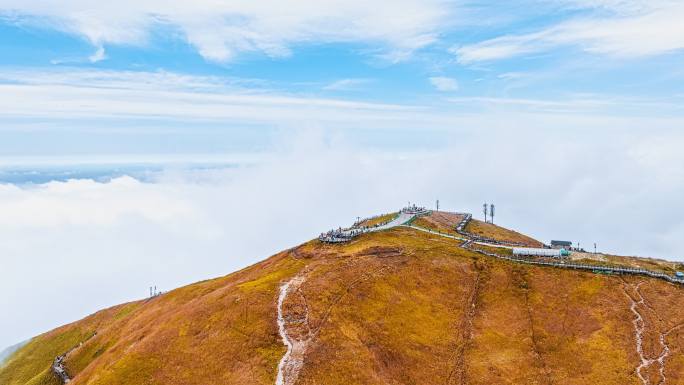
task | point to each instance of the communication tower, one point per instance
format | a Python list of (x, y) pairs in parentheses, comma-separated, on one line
[(491, 212)]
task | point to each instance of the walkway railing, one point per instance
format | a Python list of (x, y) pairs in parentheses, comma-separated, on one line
[(594, 268), (341, 235), (565, 265), (460, 228), (348, 234)]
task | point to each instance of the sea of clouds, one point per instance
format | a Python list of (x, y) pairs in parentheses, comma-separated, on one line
[(70, 247)]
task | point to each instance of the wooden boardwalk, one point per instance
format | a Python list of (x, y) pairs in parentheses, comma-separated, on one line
[(404, 219)]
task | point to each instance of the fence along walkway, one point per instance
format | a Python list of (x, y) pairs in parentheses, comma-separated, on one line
[(564, 265), (404, 219), (469, 241), (346, 235), (460, 228)]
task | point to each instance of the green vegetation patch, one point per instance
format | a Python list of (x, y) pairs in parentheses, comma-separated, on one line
[(31, 363), (46, 377)]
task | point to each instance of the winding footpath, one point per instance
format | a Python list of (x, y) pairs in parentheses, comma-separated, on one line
[(59, 370), (639, 326), (294, 331), (58, 367), (638, 321), (639, 329), (292, 361)]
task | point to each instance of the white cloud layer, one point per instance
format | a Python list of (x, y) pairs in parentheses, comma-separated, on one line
[(633, 29), (98, 55), (64, 98), (350, 84), (80, 94), (70, 248), (444, 84), (221, 29)]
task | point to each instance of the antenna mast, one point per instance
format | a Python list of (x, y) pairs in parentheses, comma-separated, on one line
[(491, 212)]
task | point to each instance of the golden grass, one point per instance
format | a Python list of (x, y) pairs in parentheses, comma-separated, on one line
[(440, 221), (31, 364), (378, 220), (667, 267), (498, 233), (391, 307), (491, 249)]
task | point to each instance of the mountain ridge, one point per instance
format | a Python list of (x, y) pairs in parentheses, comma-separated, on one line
[(392, 306)]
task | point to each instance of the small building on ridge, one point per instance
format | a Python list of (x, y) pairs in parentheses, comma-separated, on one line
[(561, 245)]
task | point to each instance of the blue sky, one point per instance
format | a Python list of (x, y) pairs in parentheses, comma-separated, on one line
[(154, 142), (451, 59)]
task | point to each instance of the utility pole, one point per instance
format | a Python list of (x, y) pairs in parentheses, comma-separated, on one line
[(594, 247), (437, 204), (484, 210), (491, 212)]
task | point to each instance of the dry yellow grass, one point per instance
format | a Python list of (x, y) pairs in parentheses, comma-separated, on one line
[(440, 221), (393, 307), (498, 233), (378, 220)]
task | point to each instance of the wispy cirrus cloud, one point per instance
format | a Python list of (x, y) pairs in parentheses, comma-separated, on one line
[(105, 94), (347, 84), (143, 100), (631, 29), (98, 55), (444, 84), (220, 30)]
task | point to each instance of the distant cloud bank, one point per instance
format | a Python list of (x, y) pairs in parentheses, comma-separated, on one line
[(111, 240)]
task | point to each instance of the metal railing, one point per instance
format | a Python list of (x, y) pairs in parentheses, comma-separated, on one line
[(583, 266), (345, 235), (566, 265), (468, 242), (460, 228)]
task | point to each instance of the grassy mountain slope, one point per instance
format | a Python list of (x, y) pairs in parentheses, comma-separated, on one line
[(393, 307), (9, 351), (492, 231), (378, 220), (445, 222)]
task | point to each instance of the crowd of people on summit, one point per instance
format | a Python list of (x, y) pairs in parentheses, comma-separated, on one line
[(413, 209), (343, 235)]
